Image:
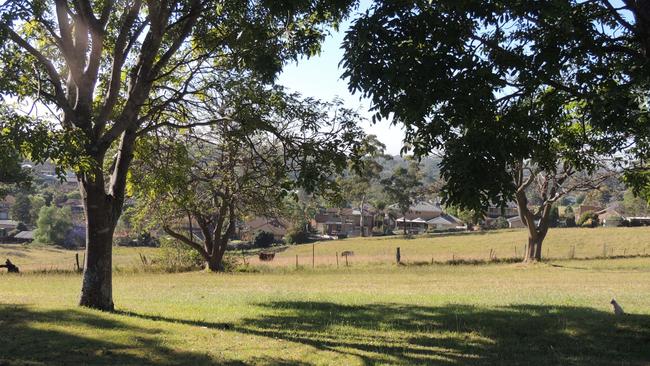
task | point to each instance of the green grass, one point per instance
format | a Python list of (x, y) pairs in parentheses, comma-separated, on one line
[(498, 314), (555, 312), (32, 257), (588, 243)]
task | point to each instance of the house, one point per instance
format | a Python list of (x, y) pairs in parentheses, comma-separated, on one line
[(586, 208), (8, 224), (610, 217), (24, 237), (345, 221), (424, 210), (445, 221), (507, 211), (277, 227), (515, 222), (413, 226), (5, 206)]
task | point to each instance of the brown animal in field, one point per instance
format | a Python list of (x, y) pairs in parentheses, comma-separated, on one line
[(618, 310), (10, 267), (266, 257), (347, 253)]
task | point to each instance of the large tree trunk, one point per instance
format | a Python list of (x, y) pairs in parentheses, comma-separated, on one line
[(215, 264), (97, 288)]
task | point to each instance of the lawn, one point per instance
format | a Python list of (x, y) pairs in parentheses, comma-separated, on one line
[(559, 244), (556, 312), (547, 313)]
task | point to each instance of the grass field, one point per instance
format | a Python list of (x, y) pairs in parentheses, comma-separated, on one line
[(555, 312), (588, 243)]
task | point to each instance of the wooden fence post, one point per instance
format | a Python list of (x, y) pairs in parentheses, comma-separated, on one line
[(398, 256), (313, 255), (296, 261), (337, 259)]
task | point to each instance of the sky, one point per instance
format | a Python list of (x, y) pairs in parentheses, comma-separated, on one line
[(320, 77)]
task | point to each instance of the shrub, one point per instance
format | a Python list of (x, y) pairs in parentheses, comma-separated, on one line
[(501, 223), (143, 240), (588, 219), (53, 225), (570, 221), (21, 227), (177, 257), (296, 235), (263, 239)]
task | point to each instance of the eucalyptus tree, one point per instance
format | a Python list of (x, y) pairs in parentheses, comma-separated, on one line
[(511, 93), (111, 70), (362, 173), (403, 187), (244, 166)]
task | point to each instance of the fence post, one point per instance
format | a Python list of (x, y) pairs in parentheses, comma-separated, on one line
[(337, 259), (296, 261), (76, 257), (398, 256), (313, 255)]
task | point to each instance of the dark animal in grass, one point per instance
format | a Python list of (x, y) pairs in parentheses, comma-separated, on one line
[(347, 253), (10, 267), (618, 310), (266, 257)]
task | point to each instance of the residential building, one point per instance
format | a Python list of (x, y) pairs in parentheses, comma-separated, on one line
[(344, 221)]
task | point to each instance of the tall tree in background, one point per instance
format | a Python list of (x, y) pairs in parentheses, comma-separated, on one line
[(402, 187), (362, 173), (111, 71), (513, 93)]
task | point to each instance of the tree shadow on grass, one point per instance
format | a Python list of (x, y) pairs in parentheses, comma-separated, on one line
[(72, 337), (453, 334)]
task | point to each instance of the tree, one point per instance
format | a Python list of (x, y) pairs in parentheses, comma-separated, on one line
[(634, 206), (402, 187), (363, 171), (21, 210), (214, 177), (111, 71), (437, 66), (513, 94), (53, 225), (36, 202)]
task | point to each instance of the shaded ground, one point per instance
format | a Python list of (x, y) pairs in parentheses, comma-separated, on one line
[(372, 334)]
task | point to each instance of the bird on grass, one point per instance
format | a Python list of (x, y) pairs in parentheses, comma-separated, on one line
[(618, 310)]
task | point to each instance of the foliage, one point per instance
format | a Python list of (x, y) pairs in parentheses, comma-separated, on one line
[(177, 257), (246, 166), (263, 239), (36, 202), (505, 96), (402, 187), (588, 219), (21, 210), (501, 223), (554, 217), (21, 227), (53, 225), (296, 235), (635, 206)]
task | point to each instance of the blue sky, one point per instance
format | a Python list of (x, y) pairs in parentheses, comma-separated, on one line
[(320, 77)]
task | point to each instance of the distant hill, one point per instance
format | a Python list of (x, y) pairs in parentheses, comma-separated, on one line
[(429, 166)]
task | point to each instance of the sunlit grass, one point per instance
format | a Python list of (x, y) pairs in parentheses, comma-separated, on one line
[(497, 314)]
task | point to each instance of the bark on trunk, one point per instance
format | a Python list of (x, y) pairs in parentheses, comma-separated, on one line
[(215, 264), (97, 288)]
